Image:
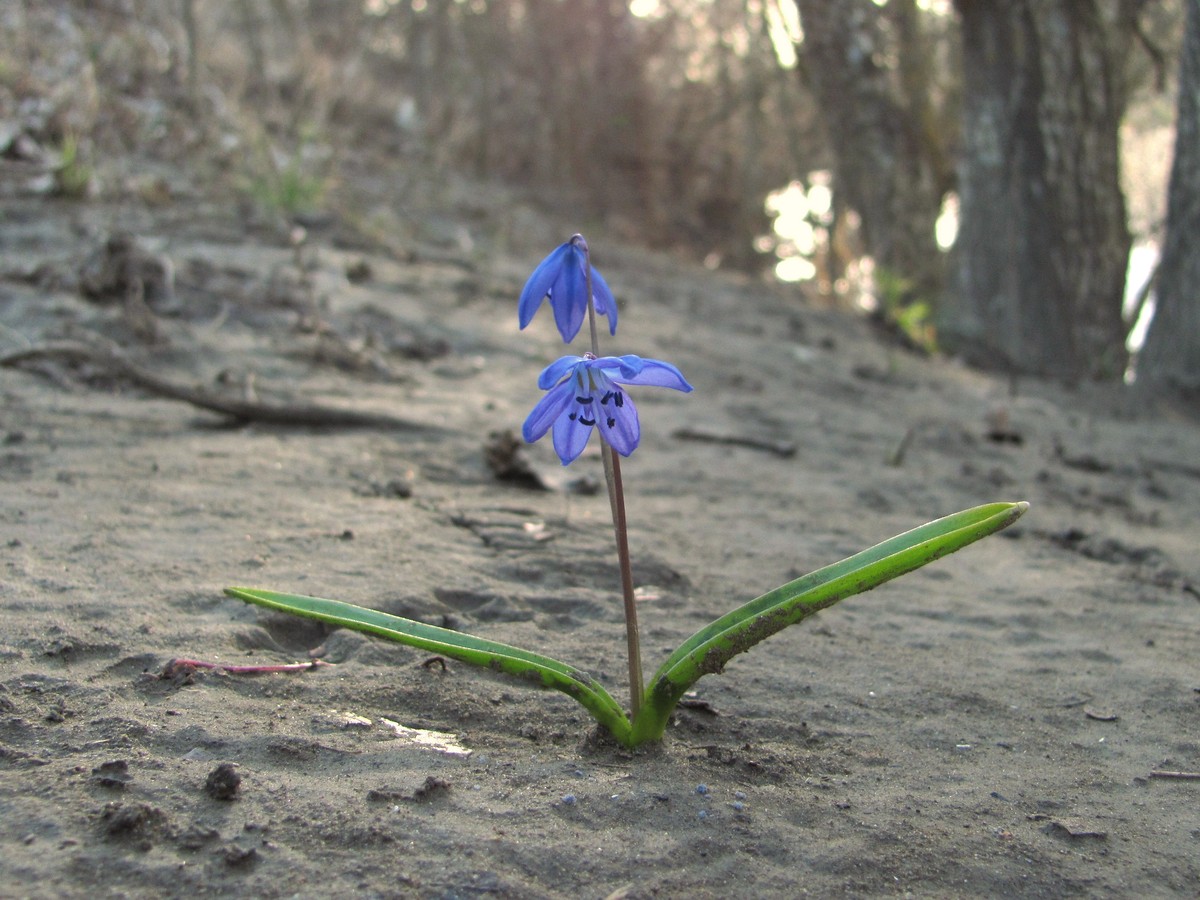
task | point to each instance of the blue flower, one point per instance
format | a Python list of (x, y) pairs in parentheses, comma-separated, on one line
[(562, 278), (584, 393)]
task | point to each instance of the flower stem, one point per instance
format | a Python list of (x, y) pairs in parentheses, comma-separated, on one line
[(616, 499), (616, 496)]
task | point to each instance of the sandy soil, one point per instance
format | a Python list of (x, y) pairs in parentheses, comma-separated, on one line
[(989, 726)]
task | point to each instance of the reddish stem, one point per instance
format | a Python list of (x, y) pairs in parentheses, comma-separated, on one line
[(616, 498), (179, 665)]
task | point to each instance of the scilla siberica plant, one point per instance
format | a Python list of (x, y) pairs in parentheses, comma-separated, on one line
[(588, 393)]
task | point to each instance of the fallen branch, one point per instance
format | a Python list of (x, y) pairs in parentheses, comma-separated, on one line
[(778, 448), (177, 667), (1178, 776), (115, 363)]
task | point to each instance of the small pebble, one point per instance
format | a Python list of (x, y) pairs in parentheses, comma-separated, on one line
[(739, 795), (223, 782), (738, 805), (703, 814), (239, 856), (702, 789), (112, 774), (568, 800)]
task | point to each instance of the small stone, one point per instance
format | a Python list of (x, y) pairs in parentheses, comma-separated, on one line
[(568, 800), (239, 856), (702, 789), (196, 836), (432, 788), (113, 774), (136, 819), (223, 782)]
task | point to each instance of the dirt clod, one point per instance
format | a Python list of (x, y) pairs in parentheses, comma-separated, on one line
[(223, 782)]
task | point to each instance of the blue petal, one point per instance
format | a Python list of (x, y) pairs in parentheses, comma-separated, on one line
[(624, 432), (631, 366), (554, 373), (568, 297), (549, 408), (570, 436), (603, 297), (626, 366), (655, 372), (540, 283)]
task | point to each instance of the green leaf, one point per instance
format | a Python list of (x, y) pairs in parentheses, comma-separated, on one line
[(712, 647), (703, 653), (455, 645)]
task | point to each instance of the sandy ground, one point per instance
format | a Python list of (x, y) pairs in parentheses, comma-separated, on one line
[(994, 725)]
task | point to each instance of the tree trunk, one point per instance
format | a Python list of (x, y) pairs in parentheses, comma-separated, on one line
[(1171, 355), (888, 163), (1042, 244)]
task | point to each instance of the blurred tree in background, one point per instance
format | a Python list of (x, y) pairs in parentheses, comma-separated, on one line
[(1171, 357), (1043, 245), (861, 125), (880, 75)]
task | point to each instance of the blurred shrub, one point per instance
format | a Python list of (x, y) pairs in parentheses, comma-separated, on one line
[(73, 178)]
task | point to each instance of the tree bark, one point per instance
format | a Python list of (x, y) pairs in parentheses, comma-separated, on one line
[(1171, 355), (1042, 244), (867, 71)]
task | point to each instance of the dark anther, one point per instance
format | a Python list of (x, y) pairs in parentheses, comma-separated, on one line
[(606, 397), (618, 398), (611, 421), (584, 399), (572, 416), (583, 420)]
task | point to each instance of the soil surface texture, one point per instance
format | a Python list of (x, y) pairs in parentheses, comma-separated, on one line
[(194, 398)]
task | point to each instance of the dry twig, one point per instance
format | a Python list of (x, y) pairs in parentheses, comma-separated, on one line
[(180, 666), (115, 363), (778, 448)]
